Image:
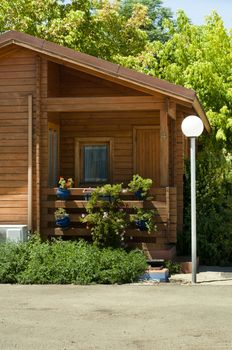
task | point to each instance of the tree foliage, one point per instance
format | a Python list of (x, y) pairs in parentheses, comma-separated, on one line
[(199, 57), (157, 13), (95, 27)]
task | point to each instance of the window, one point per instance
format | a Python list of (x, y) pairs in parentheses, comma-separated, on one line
[(53, 154), (93, 161)]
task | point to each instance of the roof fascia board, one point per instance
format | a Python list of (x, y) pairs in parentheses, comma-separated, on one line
[(198, 108)]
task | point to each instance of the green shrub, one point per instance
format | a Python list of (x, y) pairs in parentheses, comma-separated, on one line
[(214, 202), (138, 183), (13, 259), (118, 266), (65, 262), (173, 267)]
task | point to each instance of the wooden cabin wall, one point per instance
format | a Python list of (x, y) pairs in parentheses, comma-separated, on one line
[(17, 81), (118, 126), (179, 168), (172, 137), (76, 83)]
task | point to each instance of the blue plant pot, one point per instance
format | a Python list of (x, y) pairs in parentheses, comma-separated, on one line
[(105, 198), (141, 225), (138, 195), (87, 196), (64, 223), (62, 193)]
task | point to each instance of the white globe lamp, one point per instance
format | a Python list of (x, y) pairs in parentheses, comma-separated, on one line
[(193, 127)]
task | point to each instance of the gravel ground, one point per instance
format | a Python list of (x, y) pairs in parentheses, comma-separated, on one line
[(143, 316)]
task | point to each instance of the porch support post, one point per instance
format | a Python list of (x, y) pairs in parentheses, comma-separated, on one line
[(37, 139), (30, 185), (164, 149)]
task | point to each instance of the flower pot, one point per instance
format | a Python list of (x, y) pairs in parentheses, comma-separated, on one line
[(64, 222), (138, 195), (105, 198), (87, 196), (141, 225), (62, 193)]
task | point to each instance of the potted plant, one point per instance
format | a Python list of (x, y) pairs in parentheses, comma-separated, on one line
[(144, 220), (105, 193), (63, 189), (140, 186), (62, 218)]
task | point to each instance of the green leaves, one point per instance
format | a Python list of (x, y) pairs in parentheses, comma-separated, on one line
[(67, 262)]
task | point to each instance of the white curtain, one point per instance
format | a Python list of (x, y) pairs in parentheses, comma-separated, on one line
[(95, 163)]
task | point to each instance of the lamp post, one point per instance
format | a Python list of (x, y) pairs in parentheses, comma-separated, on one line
[(193, 127)]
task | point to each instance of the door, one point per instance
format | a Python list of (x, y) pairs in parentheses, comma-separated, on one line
[(147, 153)]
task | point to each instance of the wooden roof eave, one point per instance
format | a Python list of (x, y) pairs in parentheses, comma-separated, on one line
[(98, 66), (200, 112), (109, 71)]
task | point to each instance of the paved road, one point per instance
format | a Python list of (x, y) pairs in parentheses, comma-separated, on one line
[(159, 317)]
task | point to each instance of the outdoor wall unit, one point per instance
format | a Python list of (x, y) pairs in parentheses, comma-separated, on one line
[(13, 233)]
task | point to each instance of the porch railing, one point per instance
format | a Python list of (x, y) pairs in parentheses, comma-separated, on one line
[(164, 203)]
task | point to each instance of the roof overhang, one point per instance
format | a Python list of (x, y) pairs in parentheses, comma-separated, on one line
[(105, 69)]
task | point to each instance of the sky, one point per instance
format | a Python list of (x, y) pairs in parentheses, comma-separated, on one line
[(196, 10)]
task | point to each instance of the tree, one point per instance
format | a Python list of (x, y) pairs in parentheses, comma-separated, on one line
[(156, 13), (95, 27), (199, 57)]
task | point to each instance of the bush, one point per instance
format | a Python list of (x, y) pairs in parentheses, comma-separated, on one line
[(214, 201), (13, 259), (65, 262)]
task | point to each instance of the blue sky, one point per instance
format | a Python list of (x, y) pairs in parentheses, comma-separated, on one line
[(196, 10)]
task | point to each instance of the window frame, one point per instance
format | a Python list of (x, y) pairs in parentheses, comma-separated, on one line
[(91, 141)]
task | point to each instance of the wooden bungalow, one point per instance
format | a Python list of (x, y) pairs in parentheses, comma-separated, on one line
[(53, 102)]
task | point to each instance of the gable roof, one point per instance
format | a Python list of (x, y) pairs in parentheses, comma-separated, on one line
[(105, 68)]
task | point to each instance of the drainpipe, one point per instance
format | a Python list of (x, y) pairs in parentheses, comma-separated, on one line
[(29, 190)]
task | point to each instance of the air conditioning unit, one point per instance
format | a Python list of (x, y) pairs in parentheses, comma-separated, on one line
[(13, 233)]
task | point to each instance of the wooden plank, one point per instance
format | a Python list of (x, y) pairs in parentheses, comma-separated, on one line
[(80, 191), (12, 169), (101, 104), (82, 232), (13, 204), (19, 211)]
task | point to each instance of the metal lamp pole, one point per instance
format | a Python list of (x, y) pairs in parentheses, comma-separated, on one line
[(193, 127), (193, 208)]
